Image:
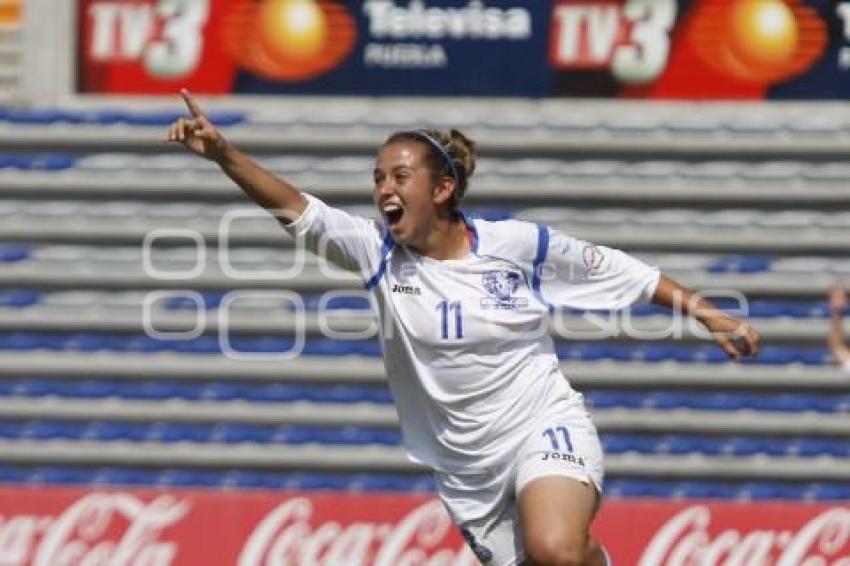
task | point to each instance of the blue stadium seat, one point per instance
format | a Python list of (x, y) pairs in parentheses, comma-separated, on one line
[(218, 391), (750, 446), (42, 162), (145, 345), (770, 490), (380, 482), (649, 309), (760, 308), (276, 393), (262, 344), (35, 387), (55, 430), (718, 401), (638, 488), (87, 389), (11, 253), (624, 443), (688, 444), (157, 390), (612, 399), (739, 264), (811, 447), (777, 355), (787, 402), (813, 356), (14, 474), (827, 492), (246, 479), (60, 475), (189, 478), (200, 345), (239, 433), (306, 481), (704, 490), (109, 431), (13, 429), (209, 300), (93, 342), (178, 432), (33, 116), (18, 298), (833, 403), (125, 476)]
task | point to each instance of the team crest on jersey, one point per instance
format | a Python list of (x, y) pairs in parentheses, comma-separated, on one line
[(502, 284)]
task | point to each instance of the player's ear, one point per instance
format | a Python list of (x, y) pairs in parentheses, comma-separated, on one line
[(443, 191)]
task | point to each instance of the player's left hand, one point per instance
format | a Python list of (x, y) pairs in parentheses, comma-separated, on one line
[(737, 338)]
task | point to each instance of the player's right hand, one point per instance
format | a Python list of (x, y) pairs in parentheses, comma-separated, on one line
[(197, 133)]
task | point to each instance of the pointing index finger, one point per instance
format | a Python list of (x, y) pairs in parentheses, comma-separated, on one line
[(190, 102)]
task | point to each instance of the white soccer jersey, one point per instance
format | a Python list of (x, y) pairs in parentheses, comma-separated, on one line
[(467, 349)]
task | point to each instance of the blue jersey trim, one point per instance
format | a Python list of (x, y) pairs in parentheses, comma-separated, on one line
[(539, 258), (470, 225), (386, 247)]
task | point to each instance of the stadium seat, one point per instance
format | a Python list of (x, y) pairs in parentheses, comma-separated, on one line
[(19, 298), (10, 253), (739, 264)]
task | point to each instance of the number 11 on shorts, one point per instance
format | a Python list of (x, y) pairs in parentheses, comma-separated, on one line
[(553, 438)]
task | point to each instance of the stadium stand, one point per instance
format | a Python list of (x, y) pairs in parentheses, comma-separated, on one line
[(753, 207)]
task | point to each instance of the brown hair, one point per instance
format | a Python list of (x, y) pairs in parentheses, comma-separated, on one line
[(449, 153)]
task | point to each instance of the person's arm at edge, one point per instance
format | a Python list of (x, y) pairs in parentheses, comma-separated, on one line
[(736, 337), (200, 136), (839, 349)]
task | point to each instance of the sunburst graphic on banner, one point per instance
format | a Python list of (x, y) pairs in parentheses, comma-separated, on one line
[(288, 39), (762, 41)]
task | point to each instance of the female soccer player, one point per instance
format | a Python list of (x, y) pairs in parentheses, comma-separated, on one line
[(465, 306)]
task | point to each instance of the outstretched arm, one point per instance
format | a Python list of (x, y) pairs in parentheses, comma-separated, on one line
[(200, 136), (737, 338), (837, 304)]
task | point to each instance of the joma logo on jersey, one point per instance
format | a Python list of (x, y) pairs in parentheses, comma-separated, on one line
[(564, 456), (406, 289), (502, 284)]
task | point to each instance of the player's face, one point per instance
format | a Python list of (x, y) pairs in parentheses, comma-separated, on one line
[(404, 191)]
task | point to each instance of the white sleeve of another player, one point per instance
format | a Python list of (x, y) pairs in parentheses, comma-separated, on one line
[(577, 274), (350, 242)]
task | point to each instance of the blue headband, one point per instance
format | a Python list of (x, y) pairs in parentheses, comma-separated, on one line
[(441, 150)]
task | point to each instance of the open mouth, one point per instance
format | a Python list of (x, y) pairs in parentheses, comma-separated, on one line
[(393, 214)]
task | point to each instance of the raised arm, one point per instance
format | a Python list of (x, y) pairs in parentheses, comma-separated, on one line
[(201, 137), (837, 304), (737, 338)]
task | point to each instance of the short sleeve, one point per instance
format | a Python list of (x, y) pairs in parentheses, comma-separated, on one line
[(577, 274), (350, 242)]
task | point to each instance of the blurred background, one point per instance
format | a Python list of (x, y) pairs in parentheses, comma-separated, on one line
[(177, 385)]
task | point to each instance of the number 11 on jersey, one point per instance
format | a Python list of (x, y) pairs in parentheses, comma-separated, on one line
[(445, 307)]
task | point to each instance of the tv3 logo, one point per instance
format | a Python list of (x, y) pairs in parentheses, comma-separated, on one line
[(630, 38), (165, 36)]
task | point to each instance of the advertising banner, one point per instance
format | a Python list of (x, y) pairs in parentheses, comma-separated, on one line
[(65, 526), (667, 49)]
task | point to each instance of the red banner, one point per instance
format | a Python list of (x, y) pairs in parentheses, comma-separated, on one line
[(65, 527)]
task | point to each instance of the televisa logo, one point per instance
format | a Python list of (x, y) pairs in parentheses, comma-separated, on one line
[(417, 31), (474, 21)]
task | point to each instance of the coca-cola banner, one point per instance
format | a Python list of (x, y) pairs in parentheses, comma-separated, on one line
[(719, 49), (78, 527)]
